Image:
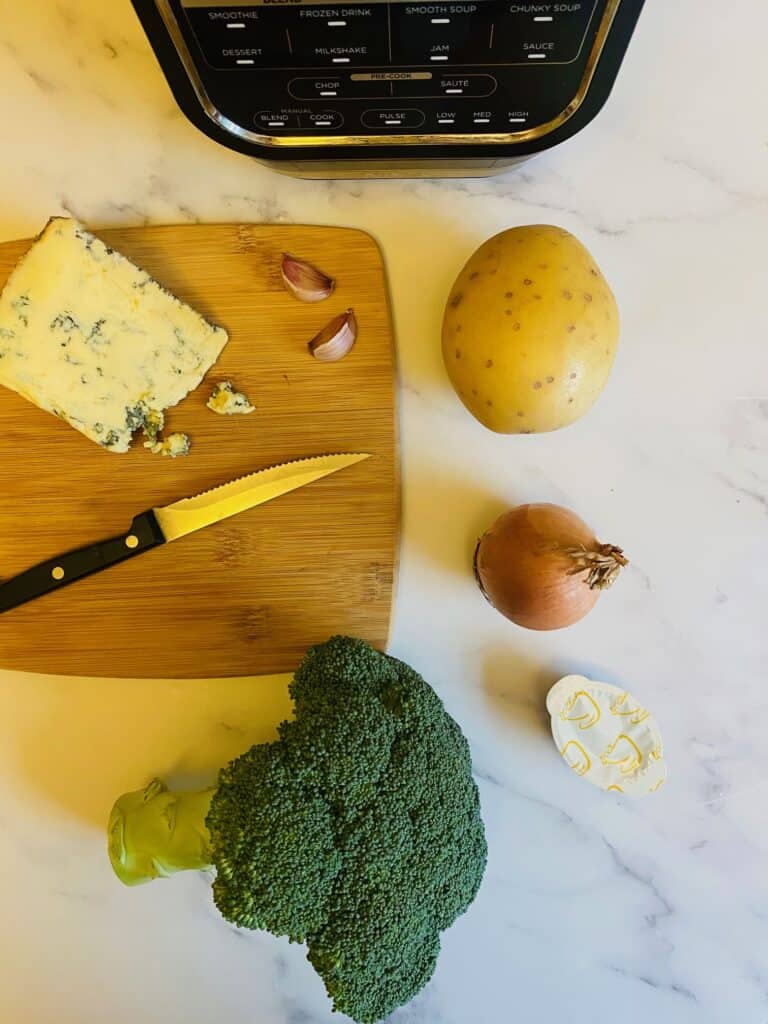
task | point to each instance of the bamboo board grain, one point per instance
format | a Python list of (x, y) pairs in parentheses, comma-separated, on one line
[(248, 595)]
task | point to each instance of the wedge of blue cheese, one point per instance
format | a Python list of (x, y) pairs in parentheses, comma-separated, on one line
[(88, 336)]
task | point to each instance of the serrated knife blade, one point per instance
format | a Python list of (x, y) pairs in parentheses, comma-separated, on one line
[(190, 514)]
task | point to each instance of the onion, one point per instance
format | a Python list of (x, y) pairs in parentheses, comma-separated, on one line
[(541, 566)]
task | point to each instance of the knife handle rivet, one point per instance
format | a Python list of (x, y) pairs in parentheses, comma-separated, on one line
[(57, 573), (131, 541)]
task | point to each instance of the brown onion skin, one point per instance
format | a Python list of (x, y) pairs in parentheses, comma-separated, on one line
[(522, 567)]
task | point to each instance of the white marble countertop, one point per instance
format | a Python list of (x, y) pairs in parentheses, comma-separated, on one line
[(593, 909)]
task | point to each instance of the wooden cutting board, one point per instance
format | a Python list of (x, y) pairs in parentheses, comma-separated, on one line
[(248, 595)]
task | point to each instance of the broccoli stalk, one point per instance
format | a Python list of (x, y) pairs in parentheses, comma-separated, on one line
[(358, 831), (154, 833)]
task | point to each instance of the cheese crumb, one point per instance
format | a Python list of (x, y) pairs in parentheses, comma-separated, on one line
[(228, 402), (173, 446)]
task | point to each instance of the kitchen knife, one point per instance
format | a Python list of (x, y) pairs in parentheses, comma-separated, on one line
[(162, 525)]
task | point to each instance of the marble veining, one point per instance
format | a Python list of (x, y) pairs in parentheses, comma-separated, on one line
[(593, 909)]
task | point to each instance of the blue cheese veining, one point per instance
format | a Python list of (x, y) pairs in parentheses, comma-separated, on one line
[(88, 336)]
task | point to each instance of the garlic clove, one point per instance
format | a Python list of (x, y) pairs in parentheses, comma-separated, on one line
[(336, 338), (304, 281)]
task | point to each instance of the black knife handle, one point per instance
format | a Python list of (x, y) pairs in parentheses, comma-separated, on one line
[(145, 533)]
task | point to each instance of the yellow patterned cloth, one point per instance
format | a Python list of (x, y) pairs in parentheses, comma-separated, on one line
[(606, 736)]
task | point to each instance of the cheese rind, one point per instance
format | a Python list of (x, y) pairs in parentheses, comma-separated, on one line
[(88, 336)]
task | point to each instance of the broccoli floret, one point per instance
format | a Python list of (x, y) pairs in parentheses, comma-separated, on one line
[(275, 854), (357, 831)]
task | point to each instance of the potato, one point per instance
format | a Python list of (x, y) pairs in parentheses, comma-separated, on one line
[(530, 331)]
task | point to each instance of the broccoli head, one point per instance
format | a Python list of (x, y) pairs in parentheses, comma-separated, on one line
[(357, 831)]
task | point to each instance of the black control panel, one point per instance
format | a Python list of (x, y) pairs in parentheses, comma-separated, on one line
[(290, 68), (389, 80)]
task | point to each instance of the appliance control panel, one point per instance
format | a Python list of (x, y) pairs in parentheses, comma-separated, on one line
[(298, 69)]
